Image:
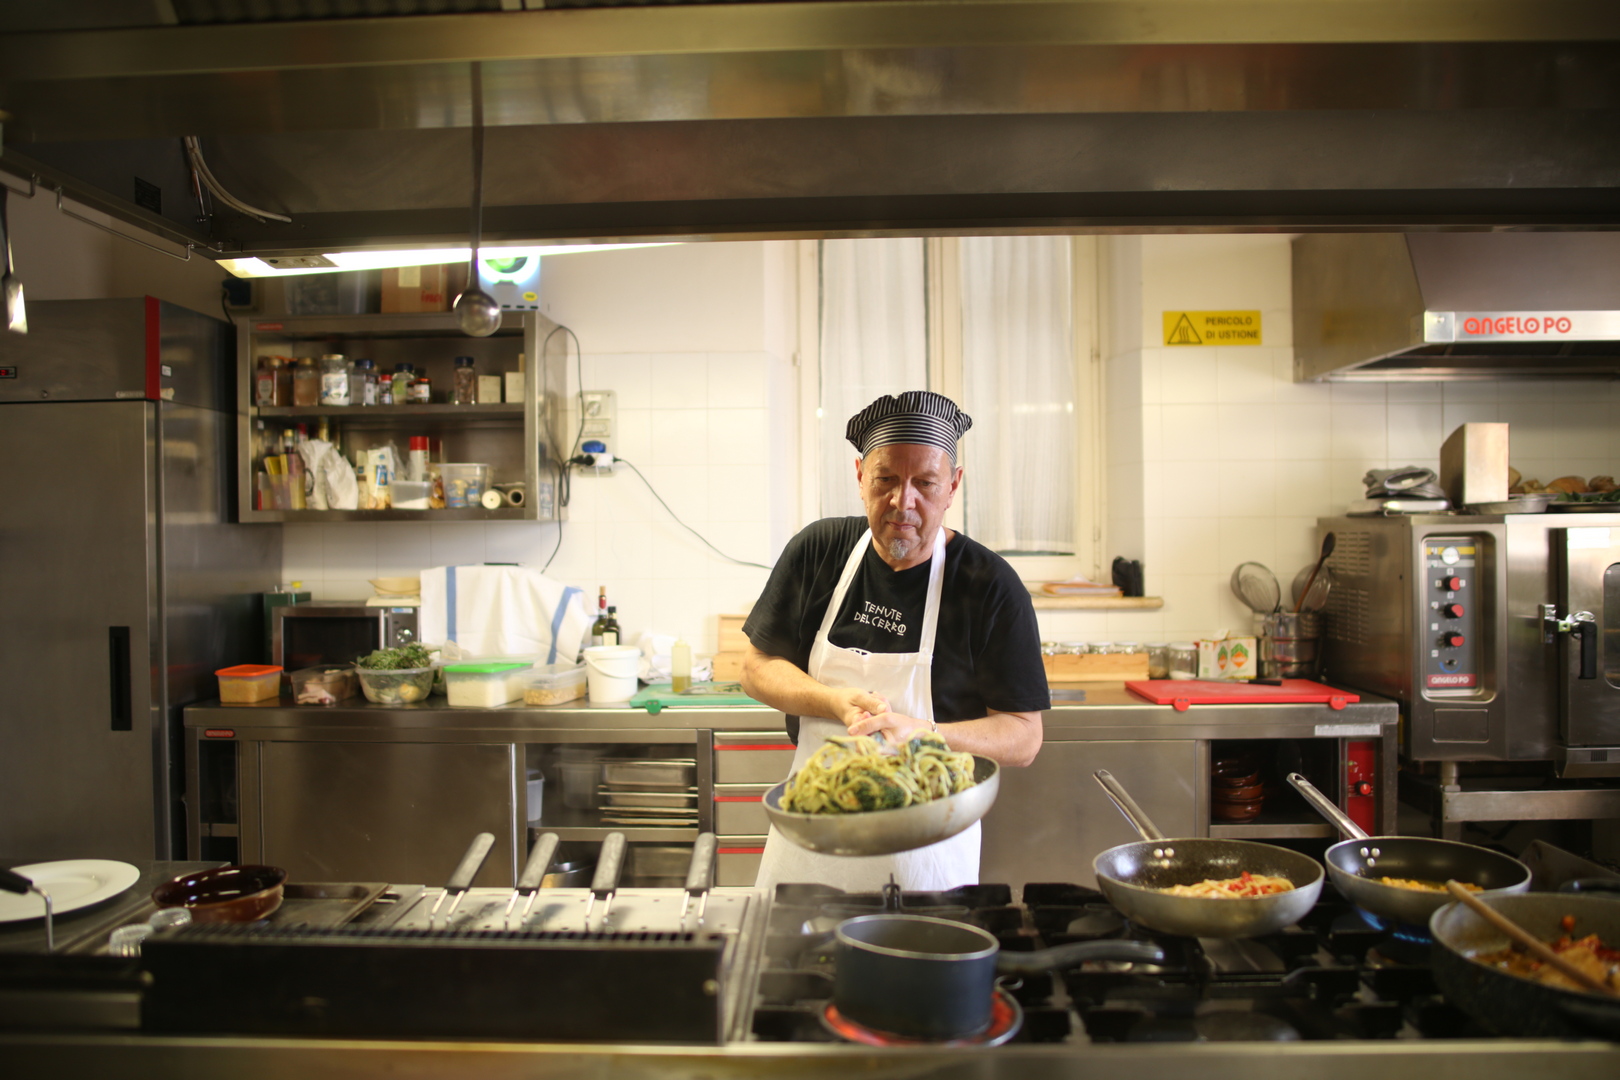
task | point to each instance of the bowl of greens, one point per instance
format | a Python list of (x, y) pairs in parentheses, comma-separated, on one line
[(399, 676)]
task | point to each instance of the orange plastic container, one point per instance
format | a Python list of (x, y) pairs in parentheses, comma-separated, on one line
[(247, 683)]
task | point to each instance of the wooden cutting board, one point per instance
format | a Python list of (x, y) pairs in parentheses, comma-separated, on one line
[(1185, 693)]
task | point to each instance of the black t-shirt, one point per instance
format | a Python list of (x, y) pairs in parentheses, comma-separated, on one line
[(987, 649)]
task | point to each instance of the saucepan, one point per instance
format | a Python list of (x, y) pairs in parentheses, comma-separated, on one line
[(1133, 877), (927, 978), (884, 832), (1355, 865), (1508, 1003)]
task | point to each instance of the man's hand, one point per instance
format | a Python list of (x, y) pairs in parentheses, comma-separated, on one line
[(896, 729), (854, 707)]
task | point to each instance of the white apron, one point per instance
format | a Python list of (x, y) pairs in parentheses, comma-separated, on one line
[(905, 681)]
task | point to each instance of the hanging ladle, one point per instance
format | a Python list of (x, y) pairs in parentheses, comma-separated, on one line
[(477, 313), (16, 315), (1328, 543)]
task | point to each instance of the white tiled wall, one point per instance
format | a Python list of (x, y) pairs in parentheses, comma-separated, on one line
[(1238, 461), (694, 422)]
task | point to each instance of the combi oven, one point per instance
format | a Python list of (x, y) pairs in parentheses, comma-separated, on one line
[(1499, 634)]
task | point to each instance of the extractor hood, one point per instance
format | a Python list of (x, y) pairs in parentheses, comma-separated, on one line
[(1420, 306), (624, 120)]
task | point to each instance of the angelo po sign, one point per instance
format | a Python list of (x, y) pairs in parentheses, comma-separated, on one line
[(1212, 328)]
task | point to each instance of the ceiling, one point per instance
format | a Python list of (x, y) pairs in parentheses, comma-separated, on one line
[(811, 119)]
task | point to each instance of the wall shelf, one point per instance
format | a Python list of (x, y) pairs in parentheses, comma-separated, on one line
[(1044, 602)]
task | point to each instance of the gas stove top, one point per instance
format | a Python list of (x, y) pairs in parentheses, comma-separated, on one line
[(1334, 976)]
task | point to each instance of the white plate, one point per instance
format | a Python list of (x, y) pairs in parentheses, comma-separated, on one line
[(72, 883)]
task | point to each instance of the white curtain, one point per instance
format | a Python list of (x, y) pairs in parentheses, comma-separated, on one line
[(1018, 377), (874, 341)]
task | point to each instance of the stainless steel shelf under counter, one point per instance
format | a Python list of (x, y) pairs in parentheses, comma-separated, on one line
[(389, 792)]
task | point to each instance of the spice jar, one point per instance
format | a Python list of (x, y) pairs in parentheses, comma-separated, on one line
[(283, 367), (421, 391), (1158, 660), (1183, 656), (385, 389), (334, 380), (306, 382), (362, 384), (264, 381), (464, 388)]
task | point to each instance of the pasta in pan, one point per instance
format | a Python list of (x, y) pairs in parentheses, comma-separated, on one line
[(1244, 885), (854, 774)]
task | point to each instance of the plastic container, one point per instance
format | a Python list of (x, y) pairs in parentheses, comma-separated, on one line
[(464, 484), (247, 683), (610, 673), (485, 684), (323, 685), (396, 686), (410, 494), (553, 684)]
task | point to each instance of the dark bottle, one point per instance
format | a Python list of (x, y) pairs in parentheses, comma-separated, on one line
[(610, 630), (601, 616)]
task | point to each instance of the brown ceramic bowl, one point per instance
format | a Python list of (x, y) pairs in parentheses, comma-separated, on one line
[(1236, 811), (1240, 794), (226, 894)]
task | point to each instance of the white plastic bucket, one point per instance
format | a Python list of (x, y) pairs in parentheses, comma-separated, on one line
[(610, 673)]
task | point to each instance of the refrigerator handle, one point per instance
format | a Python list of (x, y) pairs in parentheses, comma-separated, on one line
[(118, 673)]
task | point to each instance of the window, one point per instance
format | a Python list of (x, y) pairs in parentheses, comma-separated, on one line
[(1004, 325)]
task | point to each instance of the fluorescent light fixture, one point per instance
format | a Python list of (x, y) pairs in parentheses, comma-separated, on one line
[(337, 261)]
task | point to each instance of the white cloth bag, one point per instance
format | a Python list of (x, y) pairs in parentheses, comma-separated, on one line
[(503, 611), (905, 680)]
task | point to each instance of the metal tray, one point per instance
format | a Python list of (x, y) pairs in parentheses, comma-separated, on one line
[(321, 903), (683, 800), (639, 772)]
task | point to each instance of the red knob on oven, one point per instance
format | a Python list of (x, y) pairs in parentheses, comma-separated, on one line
[(1451, 584), (1451, 641), (1452, 611), (1363, 788)]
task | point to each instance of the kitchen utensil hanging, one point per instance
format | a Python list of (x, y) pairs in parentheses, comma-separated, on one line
[(10, 283), (477, 313), (1256, 586)]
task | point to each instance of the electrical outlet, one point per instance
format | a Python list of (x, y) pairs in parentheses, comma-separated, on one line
[(597, 425)]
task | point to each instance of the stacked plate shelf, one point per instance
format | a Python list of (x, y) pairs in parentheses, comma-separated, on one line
[(649, 793)]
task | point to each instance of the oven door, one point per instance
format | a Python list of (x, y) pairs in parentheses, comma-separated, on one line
[(1589, 685)]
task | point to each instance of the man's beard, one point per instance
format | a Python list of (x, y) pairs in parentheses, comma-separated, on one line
[(899, 549)]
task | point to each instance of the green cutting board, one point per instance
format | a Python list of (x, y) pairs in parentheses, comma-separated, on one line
[(703, 695)]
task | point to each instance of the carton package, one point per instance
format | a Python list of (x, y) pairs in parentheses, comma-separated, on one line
[(416, 288), (489, 389), (1229, 657)]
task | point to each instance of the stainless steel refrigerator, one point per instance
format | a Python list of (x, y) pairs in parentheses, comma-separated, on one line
[(124, 583)]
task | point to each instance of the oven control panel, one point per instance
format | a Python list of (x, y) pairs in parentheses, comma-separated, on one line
[(1451, 618)]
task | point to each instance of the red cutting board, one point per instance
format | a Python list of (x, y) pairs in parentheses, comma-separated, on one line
[(1184, 693)]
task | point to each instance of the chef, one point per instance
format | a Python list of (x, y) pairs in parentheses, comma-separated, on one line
[(896, 624)]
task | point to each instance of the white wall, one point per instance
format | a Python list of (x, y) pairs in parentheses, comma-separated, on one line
[(691, 340), (1237, 461)]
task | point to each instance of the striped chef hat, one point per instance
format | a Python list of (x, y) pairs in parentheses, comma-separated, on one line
[(916, 416)]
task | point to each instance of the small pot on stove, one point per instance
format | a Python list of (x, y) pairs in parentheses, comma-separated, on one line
[(925, 978)]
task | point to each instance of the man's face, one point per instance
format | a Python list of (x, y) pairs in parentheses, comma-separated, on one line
[(907, 488)]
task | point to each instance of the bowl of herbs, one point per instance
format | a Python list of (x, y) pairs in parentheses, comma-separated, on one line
[(398, 676)]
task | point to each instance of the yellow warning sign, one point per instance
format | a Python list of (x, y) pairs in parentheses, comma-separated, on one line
[(1212, 328)]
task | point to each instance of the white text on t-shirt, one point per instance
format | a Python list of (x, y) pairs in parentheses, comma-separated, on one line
[(884, 618)]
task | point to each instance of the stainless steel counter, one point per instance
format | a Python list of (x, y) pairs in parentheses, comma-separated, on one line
[(447, 773)]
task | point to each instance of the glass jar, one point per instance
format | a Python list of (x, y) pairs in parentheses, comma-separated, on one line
[(421, 390), (362, 383), (1158, 660), (385, 389), (1104, 648), (1049, 648), (306, 382), (334, 380), (264, 381), (464, 388), (1183, 656), (1074, 648), (1129, 648), (284, 379)]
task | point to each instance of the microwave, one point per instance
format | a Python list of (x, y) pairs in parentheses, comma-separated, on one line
[(336, 632)]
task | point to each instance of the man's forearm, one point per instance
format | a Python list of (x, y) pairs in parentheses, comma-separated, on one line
[(1007, 738), (783, 685)]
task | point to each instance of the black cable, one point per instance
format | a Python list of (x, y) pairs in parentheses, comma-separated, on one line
[(682, 524)]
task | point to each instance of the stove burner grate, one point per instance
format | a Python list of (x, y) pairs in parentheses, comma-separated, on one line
[(1006, 1018)]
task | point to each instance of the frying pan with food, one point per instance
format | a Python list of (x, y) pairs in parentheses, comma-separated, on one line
[(1511, 1004), (1355, 865), (1133, 876), (884, 832)]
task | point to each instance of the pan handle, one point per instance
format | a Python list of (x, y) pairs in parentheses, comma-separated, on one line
[(1324, 806), (700, 873), (1127, 806), (608, 865), (1060, 957), (471, 863), (534, 871)]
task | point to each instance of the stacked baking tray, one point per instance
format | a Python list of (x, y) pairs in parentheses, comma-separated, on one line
[(649, 793)]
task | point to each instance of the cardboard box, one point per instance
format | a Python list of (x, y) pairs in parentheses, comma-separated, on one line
[(416, 288), (1228, 658), (732, 638), (489, 389)]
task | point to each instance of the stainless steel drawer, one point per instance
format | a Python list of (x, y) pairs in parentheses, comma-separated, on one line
[(751, 757), (738, 810), (736, 861)]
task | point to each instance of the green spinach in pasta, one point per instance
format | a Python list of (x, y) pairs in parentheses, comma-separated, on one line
[(854, 774)]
